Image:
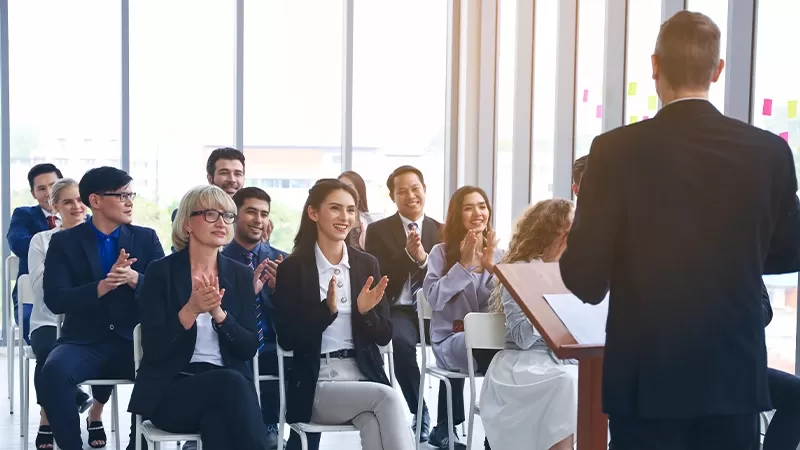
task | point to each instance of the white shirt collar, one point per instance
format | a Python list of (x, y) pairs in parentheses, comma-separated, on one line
[(407, 221), (323, 265), (48, 213), (686, 98)]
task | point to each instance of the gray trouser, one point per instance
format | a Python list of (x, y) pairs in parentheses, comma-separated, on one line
[(377, 410)]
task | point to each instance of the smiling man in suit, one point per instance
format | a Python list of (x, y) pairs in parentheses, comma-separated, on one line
[(29, 220), (401, 243), (92, 274)]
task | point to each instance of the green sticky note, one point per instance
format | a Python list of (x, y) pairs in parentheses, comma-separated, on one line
[(634, 119), (632, 88), (652, 103), (792, 109)]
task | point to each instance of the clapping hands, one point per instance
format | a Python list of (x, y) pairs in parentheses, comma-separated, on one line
[(207, 297), (266, 273), (120, 273), (369, 297)]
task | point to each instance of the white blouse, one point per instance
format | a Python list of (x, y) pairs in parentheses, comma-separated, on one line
[(206, 347), (339, 335), (41, 315)]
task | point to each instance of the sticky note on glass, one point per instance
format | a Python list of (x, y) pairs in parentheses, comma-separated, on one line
[(634, 119), (766, 110), (792, 109), (632, 88), (585, 95), (599, 113), (785, 136), (652, 103), (645, 117)]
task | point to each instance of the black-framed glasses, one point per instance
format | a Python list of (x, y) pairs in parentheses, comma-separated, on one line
[(122, 196), (212, 216)]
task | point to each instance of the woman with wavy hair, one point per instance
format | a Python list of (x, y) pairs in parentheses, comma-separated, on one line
[(529, 396)]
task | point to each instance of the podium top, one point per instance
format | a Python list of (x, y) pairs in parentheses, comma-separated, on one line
[(528, 284)]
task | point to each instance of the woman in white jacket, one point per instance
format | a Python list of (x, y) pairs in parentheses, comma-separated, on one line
[(529, 396), (66, 201)]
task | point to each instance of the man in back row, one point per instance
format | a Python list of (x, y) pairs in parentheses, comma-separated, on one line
[(680, 216)]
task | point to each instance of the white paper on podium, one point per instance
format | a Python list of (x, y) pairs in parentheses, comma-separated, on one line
[(586, 322)]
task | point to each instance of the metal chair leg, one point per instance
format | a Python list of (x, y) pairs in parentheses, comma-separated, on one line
[(11, 356), (115, 418)]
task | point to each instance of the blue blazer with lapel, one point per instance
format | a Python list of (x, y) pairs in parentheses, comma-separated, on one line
[(168, 347), (73, 271), (25, 222), (302, 316)]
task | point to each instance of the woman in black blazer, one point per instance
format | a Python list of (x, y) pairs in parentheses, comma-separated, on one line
[(199, 332), (331, 316)]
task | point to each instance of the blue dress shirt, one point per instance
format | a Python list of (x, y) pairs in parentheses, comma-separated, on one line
[(107, 247)]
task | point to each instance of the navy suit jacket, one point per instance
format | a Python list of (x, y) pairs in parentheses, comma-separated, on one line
[(302, 317), (73, 271), (25, 222), (168, 347), (679, 216)]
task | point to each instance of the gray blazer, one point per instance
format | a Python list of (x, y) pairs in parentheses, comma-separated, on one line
[(454, 293)]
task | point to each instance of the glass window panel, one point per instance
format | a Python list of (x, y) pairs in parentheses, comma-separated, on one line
[(717, 10), (399, 87), (544, 98), (589, 73), (181, 90), (506, 66), (292, 102), (776, 94), (644, 19), (64, 72)]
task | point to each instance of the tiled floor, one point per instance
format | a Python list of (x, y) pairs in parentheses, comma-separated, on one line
[(9, 423)]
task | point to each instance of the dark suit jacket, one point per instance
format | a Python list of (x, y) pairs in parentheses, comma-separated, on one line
[(679, 216), (386, 240), (168, 347), (72, 272), (25, 222), (302, 316)]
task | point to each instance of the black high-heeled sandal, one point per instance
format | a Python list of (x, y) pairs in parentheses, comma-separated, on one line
[(44, 437), (97, 434)]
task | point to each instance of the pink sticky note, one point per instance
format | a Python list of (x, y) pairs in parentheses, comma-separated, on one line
[(645, 117), (767, 109), (785, 136), (585, 95), (599, 113)]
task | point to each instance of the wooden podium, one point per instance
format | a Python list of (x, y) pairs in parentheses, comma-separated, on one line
[(528, 283)]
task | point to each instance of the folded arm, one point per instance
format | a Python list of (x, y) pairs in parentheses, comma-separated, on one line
[(60, 294)]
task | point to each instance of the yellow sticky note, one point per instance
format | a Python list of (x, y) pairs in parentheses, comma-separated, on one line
[(792, 109), (632, 88), (652, 103), (634, 119)]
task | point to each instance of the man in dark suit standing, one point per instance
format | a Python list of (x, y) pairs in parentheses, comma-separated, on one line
[(93, 273), (401, 243), (247, 247), (679, 216), (29, 220)]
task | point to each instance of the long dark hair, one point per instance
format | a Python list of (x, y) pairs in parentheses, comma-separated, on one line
[(360, 187), (453, 231), (307, 234)]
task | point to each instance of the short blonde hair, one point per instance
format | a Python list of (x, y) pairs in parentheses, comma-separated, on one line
[(200, 197), (58, 186)]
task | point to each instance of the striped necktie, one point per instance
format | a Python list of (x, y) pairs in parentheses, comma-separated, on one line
[(262, 326), (418, 276)]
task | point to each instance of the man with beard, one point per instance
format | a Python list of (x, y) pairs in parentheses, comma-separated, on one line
[(224, 169), (253, 208)]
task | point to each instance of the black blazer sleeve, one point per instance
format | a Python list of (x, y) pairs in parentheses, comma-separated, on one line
[(766, 304), (162, 331), (240, 335), (375, 323), (157, 252), (784, 251), (300, 322), (586, 264), (60, 295)]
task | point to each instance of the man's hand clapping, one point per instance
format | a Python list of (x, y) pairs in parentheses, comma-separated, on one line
[(120, 273), (414, 247)]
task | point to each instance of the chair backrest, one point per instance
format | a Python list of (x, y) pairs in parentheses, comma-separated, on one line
[(137, 346), (24, 295), (423, 307), (12, 267), (485, 330)]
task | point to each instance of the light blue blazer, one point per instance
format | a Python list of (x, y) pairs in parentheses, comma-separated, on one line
[(452, 294)]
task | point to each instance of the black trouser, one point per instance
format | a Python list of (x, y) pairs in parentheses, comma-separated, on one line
[(405, 336), (733, 432), (42, 341), (784, 428), (270, 390), (483, 357), (221, 404)]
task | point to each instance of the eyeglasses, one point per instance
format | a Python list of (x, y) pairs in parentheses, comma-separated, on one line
[(212, 216), (123, 196)]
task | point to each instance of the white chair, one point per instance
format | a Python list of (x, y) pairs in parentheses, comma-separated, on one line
[(9, 328), (305, 427), (152, 434), (104, 382), (429, 368), (24, 296), (258, 378), (482, 331)]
